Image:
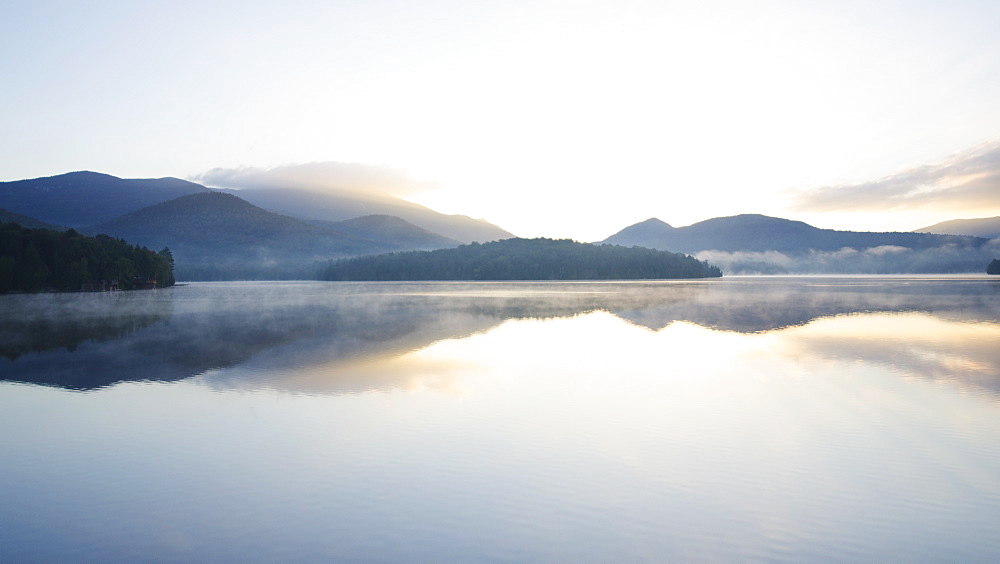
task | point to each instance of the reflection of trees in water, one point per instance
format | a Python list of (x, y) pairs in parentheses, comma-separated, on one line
[(36, 323), (199, 328), (97, 340)]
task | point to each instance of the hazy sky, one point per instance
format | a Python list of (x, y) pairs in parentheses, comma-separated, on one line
[(555, 118)]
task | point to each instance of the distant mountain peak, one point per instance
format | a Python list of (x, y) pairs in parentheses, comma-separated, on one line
[(68, 179), (754, 218), (654, 222), (83, 174)]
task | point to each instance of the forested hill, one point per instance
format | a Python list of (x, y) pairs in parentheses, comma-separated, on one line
[(523, 259), (34, 260)]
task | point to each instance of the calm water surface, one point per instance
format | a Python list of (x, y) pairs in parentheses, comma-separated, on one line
[(735, 419)]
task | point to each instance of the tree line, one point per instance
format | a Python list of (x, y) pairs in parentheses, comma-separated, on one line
[(522, 259), (35, 260)]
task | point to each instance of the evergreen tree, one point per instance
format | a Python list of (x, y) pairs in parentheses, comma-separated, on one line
[(523, 259), (33, 260)]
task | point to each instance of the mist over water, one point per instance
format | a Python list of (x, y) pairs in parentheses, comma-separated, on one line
[(794, 418), (950, 258)]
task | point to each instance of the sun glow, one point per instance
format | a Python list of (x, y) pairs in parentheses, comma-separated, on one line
[(547, 118)]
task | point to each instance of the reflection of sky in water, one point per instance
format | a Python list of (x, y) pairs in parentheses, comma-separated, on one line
[(474, 433)]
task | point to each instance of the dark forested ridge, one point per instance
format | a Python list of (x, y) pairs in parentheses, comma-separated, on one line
[(993, 267), (523, 259), (34, 260)]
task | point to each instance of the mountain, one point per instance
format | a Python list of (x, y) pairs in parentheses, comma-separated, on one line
[(342, 204), (79, 199), (25, 221), (82, 199), (214, 235), (390, 231), (986, 227), (759, 233), (209, 235), (752, 243)]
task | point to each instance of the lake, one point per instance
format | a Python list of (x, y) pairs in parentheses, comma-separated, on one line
[(747, 418)]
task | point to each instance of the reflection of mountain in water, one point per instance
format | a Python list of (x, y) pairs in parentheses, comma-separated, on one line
[(341, 338), (749, 305)]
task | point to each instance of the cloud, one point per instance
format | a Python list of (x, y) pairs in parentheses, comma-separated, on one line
[(318, 176), (965, 181), (885, 259)]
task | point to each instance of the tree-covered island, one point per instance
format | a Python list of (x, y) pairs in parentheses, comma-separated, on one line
[(37, 260), (523, 259), (993, 267)]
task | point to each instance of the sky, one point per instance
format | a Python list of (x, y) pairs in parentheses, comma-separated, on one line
[(547, 117)]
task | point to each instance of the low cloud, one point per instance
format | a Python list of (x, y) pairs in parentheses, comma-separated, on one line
[(318, 176), (966, 181), (886, 259)]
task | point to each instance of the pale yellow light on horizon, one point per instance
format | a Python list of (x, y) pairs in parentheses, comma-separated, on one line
[(548, 118), (582, 129)]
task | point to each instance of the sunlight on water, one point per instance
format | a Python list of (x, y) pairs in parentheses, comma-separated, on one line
[(764, 419)]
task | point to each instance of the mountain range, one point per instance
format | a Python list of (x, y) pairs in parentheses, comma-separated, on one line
[(84, 198), (287, 233), (338, 205), (79, 199), (217, 234), (759, 233), (753, 243)]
